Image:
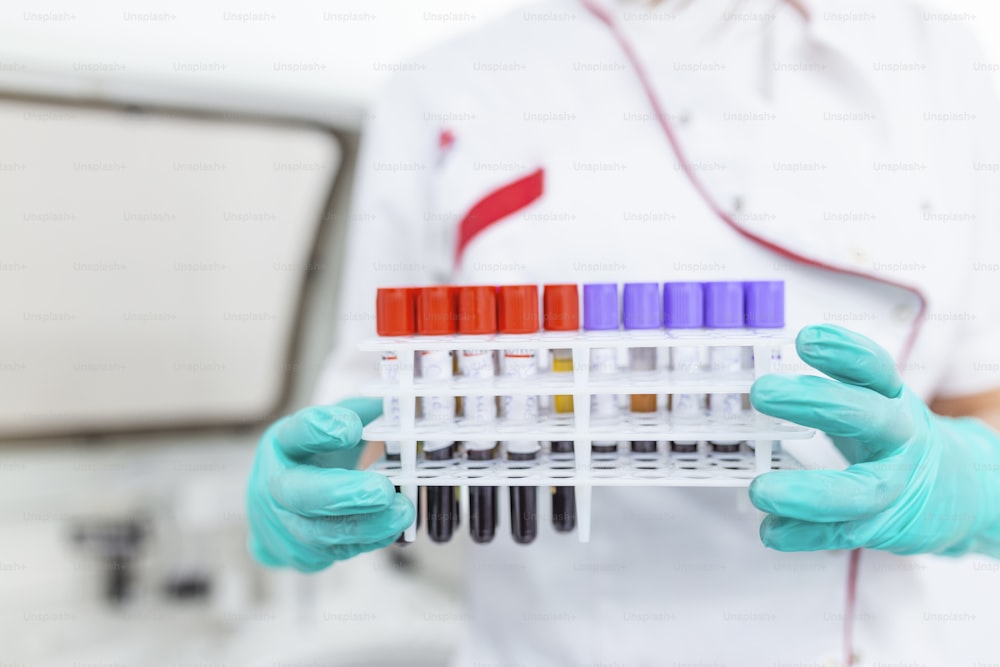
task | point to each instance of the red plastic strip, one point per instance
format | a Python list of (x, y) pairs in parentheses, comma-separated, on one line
[(496, 206)]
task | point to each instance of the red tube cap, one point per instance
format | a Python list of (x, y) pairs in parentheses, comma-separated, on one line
[(437, 311), (562, 308), (395, 311), (517, 306), (477, 309)]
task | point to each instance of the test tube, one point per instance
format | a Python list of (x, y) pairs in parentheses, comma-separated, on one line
[(517, 309), (765, 309), (561, 312), (641, 310), (684, 308), (600, 313), (477, 315), (436, 315), (394, 316), (724, 310)]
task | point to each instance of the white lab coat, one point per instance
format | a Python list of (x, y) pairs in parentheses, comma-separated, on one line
[(864, 138)]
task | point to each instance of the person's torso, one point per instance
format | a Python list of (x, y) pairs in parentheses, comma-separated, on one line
[(800, 149)]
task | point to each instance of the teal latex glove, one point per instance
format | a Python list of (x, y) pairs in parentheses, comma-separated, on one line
[(918, 483), (305, 508)]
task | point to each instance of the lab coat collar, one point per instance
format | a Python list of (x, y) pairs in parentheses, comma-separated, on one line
[(804, 8), (837, 37), (829, 42)]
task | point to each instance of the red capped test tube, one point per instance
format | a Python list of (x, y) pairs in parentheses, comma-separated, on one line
[(517, 307), (437, 316)]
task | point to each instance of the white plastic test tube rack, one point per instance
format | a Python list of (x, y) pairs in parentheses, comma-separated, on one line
[(705, 467)]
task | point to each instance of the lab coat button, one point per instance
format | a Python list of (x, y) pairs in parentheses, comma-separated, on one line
[(902, 312), (858, 256)]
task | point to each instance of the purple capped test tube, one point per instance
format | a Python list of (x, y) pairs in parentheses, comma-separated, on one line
[(684, 308), (765, 309), (641, 310), (600, 313), (724, 309)]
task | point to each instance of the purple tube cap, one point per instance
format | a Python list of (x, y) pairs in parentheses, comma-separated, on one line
[(724, 305), (600, 307), (683, 305), (641, 306), (765, 304)]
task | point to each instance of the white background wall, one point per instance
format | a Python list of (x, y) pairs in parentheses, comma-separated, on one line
[(219, 52), (314, 58)]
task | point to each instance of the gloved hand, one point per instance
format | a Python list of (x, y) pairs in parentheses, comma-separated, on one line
[(918, 483), (305, 508)]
